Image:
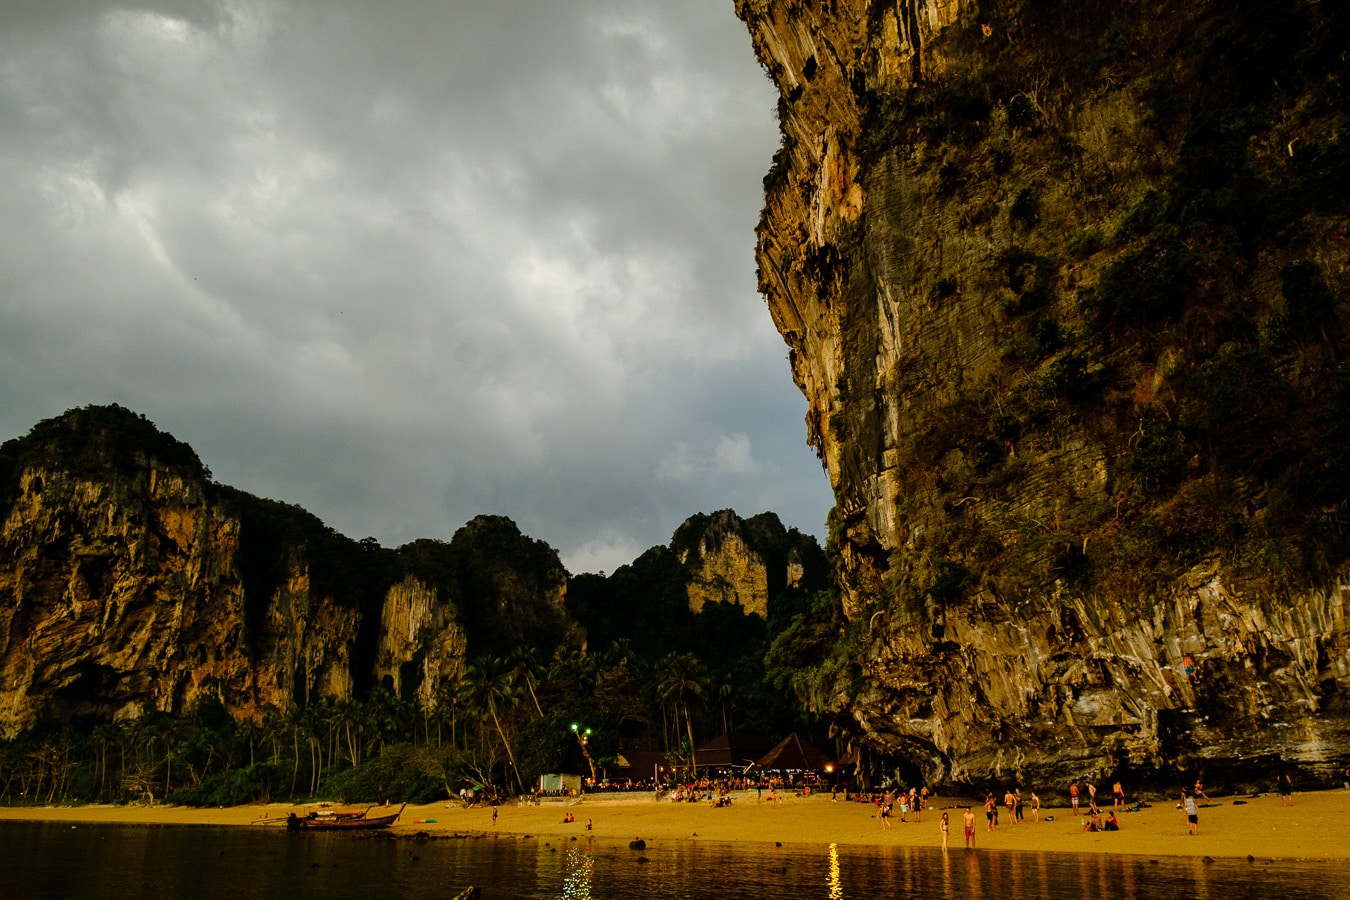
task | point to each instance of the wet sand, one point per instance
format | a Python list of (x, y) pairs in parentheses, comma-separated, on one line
[(1312, 827)]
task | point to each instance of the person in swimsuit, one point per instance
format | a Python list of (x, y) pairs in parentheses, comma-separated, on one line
[(1073, 797), (945, 828), (969, 821), (1192, 812)]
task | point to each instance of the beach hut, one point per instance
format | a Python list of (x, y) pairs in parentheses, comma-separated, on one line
[(737, 750), (792, 754), (639, 765)]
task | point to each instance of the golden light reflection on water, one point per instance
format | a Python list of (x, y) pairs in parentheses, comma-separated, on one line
[(578, 871), (833, 882)]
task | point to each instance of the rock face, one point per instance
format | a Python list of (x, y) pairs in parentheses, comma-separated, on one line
[(1065, 287), (130, 582), (742, 562)]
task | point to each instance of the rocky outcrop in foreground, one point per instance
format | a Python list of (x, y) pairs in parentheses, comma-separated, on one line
[(1065, 287)]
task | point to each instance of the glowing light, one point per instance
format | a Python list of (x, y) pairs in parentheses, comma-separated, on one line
[(834, 884)]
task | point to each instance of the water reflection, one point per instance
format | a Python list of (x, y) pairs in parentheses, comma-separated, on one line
[(99, 863), (578, 872)]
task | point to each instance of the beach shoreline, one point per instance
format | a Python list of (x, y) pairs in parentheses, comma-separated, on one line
[(1258, 827)]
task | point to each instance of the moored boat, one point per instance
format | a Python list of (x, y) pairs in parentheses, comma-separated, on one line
[(341, 821)]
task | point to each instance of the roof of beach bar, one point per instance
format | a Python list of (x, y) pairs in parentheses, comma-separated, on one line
[(794, 753), (738, 749)]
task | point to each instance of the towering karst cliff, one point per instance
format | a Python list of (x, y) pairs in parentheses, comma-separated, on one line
[(1065, 287), (130, 582), (744, 562)]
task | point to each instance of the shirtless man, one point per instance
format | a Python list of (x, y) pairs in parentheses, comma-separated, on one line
[(969, 821), (1073, 797), (990, 810)]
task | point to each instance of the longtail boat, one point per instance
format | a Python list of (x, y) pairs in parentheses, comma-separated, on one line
[(341, 821)]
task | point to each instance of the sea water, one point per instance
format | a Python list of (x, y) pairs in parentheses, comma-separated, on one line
[(47, 860)]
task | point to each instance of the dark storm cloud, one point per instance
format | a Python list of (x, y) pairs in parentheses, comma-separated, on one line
[(406, 263)]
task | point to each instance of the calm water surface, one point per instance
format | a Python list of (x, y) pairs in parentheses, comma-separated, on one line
[(56, 861)]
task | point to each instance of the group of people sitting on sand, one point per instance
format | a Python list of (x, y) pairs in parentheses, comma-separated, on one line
[(1094, 822)]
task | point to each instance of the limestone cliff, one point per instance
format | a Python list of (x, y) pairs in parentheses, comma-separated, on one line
[(1065, 287), (129, 582), (742, 562)]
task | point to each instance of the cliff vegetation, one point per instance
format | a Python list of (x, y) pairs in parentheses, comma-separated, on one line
[(1066, 288), (164, 634)]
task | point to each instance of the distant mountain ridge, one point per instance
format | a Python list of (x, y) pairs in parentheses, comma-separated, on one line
[(131, 582)]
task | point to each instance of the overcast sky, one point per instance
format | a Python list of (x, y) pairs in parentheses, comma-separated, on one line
[(405, 263)]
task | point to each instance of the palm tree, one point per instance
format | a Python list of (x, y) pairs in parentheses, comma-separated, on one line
[(493, 685), (348, 714), (682, 679), (526, 669)]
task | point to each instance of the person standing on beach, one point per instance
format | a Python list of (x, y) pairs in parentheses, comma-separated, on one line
[(990, 811), (1118, 794), (1286, 788), (1192, 812), (1092, 798), (1035, 807), (1073, 797), (494, 813), (1017, 806), (944, 828), (969, 822)]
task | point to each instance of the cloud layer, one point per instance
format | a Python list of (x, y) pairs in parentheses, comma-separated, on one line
[(402, 264)]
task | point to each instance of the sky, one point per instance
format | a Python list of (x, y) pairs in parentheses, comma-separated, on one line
[(406, 263)]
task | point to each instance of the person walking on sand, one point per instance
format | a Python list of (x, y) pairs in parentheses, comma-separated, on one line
[(1092, 798), (494, 814), (969, 821), (944, 827), (1192, 812), (1118, 794)]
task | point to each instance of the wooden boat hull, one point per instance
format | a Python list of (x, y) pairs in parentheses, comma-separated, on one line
[(356, 822)]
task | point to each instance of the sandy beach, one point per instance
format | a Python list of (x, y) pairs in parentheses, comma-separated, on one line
[(1312, 827)]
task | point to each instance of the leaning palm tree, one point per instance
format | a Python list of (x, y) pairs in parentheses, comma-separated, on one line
[(682, 679), (493, 686), (525, 668)]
